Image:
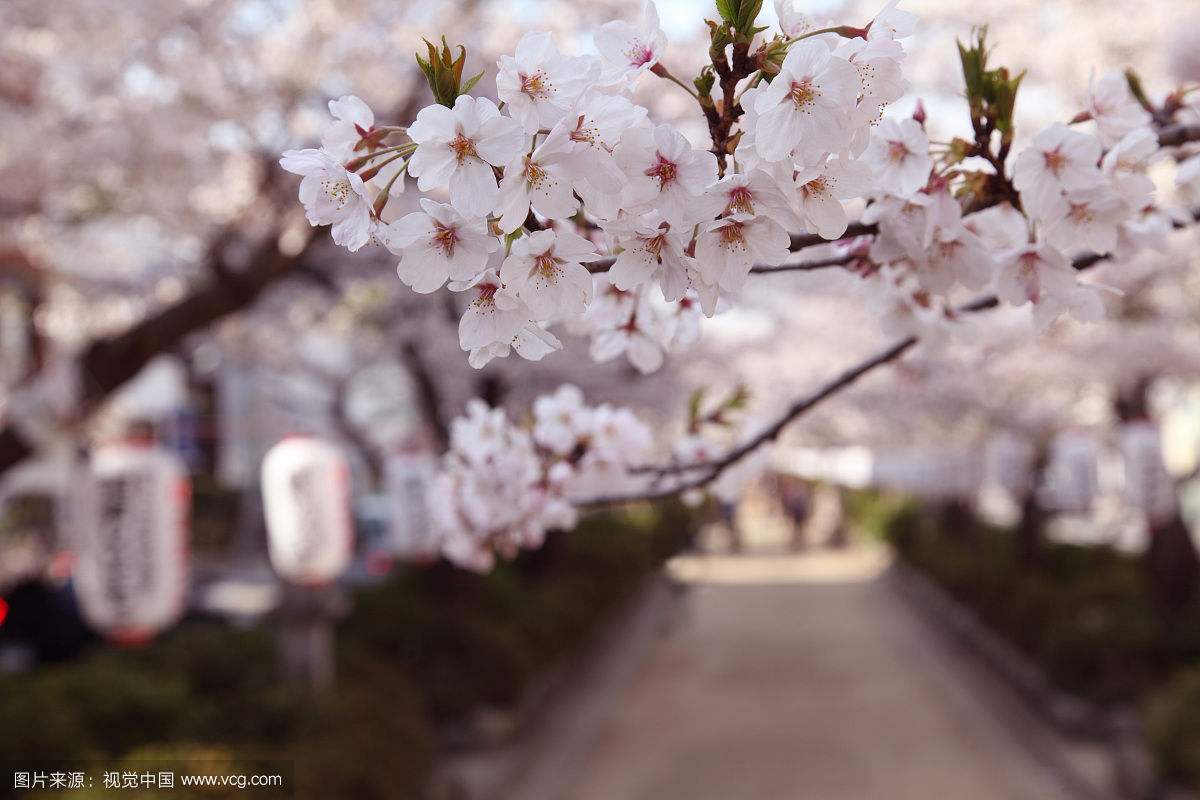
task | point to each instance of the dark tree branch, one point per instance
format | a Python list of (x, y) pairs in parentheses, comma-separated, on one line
[(428, 394)]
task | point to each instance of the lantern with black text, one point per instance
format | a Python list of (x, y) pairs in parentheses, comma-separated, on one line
[(132, 541), (306, 499)]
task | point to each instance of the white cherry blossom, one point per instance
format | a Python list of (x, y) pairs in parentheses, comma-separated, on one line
[(752, 192), (664, 171), (1059, 159), (493, 317), (332, 196), (727, 248), (1114, 108), (822, 189), (632, 49), (652, 252), (1034, 272), (807, 104), (538, 84), (352, 120), (636, 338), (541, 180), (458, 147), (561, 419), (545, 271), (1087, 220), (438, 244), (899, 155)]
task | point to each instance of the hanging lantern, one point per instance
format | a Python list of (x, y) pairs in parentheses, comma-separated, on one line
[(131, 519), (306, 498), (413, 536)]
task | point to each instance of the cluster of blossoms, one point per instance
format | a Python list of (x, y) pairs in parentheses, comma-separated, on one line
[(600, 219), (1078, 192), (565, 204), (569, 205), (503, 486)]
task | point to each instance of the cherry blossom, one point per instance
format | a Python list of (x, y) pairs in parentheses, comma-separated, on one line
[(545, 272), (332, 196), (493, 317), (899, 155), (727, 248), (1032, 273), (576, 211), (753, 192), (438, 244), (1116, 112), (541, 180), (664, 170), (652, 252), (1087, 218), (633, 338), (822, 189), (539, 84), (561, 419), (353, 120), (632, 49), (459, 147), (955, 254), (1059, 159), (792, 22), (807, 103)]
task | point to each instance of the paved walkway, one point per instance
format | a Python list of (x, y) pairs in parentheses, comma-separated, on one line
[(788, 677)]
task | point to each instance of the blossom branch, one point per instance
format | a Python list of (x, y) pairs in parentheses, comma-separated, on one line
[(704, 473)]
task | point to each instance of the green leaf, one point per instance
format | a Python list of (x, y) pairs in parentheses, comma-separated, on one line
[(694, 403), (728, 10), (470, 84)]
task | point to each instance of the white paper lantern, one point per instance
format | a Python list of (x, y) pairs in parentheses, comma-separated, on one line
[(413, 535), (306, 498), (131, 521)]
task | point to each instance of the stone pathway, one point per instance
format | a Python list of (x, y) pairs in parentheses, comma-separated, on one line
[(798, 676)]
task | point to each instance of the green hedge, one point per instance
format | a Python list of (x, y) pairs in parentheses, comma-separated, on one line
[(420, 651), (1083, 613)]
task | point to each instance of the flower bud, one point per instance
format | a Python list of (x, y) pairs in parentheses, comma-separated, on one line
[(444, 72)]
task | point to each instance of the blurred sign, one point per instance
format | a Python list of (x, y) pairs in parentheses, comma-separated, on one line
[(132, 525), (1148, 486), (412, 533), (1073, 473), (306, 498), (1008, 464)]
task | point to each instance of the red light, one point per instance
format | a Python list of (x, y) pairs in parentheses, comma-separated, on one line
[(3, 610)]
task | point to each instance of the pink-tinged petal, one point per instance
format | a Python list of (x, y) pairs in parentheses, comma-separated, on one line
[(473, 188), (432, 123), (500, 140), (407, 230), (631, 268), (352, 109), (304, 162), (826, 214), (644, 353), (354, 230), (424, 269), (432, 165)]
